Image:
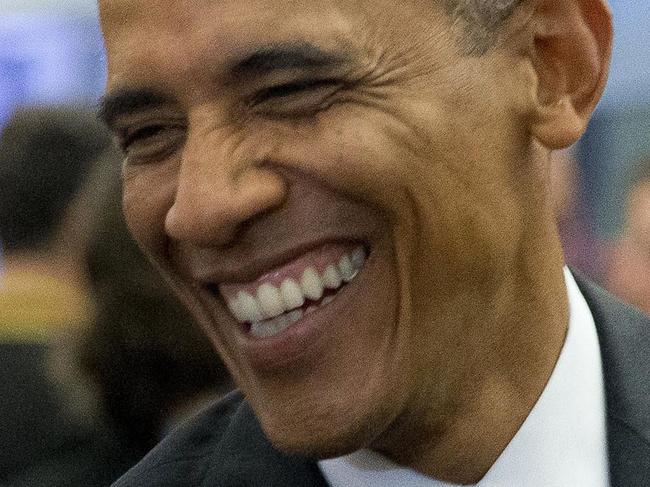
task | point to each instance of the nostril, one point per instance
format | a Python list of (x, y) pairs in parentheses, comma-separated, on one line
[(212, 288)]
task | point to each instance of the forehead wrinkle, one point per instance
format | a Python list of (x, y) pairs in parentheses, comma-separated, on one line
[(200, 50)]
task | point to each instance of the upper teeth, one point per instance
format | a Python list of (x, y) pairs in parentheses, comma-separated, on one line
[(270, 301)]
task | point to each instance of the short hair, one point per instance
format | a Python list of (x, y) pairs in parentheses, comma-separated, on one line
[(481, 21), (45, 156)]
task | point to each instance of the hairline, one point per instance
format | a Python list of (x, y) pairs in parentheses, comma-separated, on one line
[(481, 21)]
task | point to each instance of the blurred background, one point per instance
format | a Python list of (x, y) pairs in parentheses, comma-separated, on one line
[(51, 55)]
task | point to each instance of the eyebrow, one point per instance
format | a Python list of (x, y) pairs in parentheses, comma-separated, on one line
[(259, 63), (287, 57), (127, 101)]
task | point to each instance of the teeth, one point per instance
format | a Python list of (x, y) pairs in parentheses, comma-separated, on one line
[(270, 328), (267, 309), (311, 284), (332, 278), (250, 309), (237, 308), (358, 258), (346, 269), (270, 300), (260, 330), (291, 294), (295, 315)]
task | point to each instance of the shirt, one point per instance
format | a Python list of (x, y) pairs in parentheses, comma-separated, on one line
[(34, 306), (561, 443)]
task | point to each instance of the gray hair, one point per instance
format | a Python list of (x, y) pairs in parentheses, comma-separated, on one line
[(481, 20)]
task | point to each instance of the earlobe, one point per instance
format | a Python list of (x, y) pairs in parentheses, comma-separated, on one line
[(558, 125), (571, 50)]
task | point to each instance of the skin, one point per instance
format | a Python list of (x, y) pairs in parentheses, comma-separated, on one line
[(564, 184), (461, 312), (631, 258)]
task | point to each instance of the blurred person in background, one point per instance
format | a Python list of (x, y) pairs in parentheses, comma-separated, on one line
[(142, 358), (152, 365), (45, 159), (629, 272), (583, 249)]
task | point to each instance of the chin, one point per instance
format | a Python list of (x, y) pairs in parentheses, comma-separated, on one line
[(322, 430), (324, 441)]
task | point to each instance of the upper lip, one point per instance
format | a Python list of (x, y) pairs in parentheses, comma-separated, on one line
[(250, 269)]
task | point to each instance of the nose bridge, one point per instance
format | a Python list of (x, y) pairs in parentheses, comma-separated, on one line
[(220, 185), (210, 167)]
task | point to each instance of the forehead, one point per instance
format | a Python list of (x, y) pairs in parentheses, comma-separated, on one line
[(138, 31), (170, 37), (220, 19)]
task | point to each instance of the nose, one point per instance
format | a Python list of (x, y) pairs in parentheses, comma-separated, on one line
[(219, 188)]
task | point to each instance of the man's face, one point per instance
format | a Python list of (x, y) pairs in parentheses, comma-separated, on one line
[(278, 148)]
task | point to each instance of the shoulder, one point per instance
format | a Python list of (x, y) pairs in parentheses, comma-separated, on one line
[(619, 324), (224, 446), (624, 336), (183, 457)]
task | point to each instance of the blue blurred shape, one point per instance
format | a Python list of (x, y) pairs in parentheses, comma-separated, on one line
[(49, 59), (629, 82)]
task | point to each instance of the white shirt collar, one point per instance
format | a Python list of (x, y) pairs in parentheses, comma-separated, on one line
[(562, 442)]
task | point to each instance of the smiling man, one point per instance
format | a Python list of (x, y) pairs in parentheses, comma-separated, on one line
[(352, 198)]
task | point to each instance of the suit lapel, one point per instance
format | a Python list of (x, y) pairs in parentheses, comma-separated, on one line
[(624, 336), (245, 457)]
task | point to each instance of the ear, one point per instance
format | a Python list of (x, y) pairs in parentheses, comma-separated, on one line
[(571, 51)]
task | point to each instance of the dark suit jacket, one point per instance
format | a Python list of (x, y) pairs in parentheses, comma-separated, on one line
[(225, 445), (32, 424), (41, 445)]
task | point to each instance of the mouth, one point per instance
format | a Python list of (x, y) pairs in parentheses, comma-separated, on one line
[(271, 305)]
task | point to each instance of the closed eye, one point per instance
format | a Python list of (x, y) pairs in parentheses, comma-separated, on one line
[(296, 87), (297, 95), (141, 134), (153, 141)]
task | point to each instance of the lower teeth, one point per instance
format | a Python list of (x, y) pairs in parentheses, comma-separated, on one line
[(273, 327)]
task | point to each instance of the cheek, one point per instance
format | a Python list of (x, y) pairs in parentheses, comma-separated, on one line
[(356, 151), (148, 195)]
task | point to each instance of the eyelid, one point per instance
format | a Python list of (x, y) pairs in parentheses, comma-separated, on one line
[(151, 142), (295, 88), (129, 136)]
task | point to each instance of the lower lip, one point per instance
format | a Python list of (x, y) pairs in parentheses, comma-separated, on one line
[(306, 335)]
